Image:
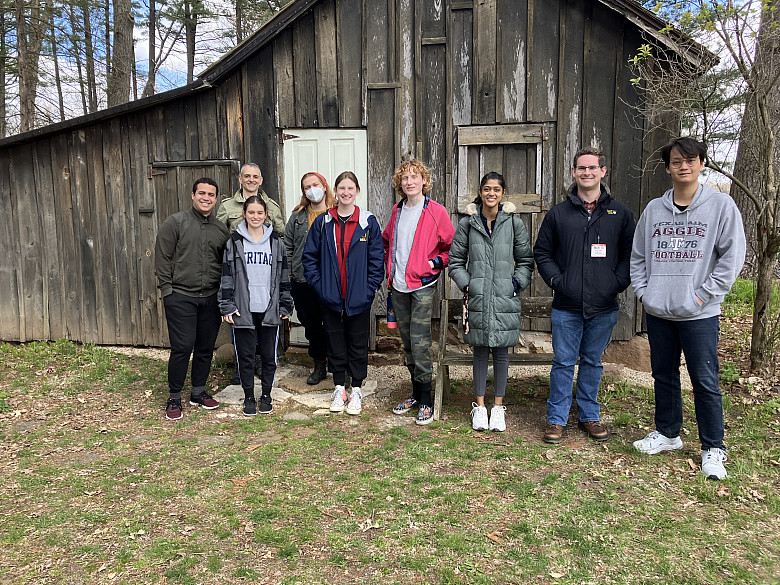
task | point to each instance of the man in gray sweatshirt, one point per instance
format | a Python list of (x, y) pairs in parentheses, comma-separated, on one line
[(689, 247)]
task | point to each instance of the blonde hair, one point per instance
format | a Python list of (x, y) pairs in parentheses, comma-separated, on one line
[(330, 200), (417, 167)]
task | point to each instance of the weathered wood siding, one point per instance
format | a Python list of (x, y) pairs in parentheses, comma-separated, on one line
[(84, 204)]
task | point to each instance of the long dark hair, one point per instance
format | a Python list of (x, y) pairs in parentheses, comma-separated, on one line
[(491, 176)]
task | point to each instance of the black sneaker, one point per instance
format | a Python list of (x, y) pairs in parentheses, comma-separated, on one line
[(266, 406), (250, 406), (173, 409), (319, 373)]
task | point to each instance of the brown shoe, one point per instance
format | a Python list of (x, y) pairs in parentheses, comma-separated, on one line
[(553, 434), (595, 429)]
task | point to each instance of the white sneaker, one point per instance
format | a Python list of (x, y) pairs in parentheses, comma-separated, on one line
[(497, 419), (479, 417), (712, 463), (339, 398), (355, 405), (655, 442)]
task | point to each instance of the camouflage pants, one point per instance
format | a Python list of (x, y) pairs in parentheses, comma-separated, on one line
[(413, 312)]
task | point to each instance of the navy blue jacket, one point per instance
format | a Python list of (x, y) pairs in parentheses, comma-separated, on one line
[(365, 263), (583, 283)]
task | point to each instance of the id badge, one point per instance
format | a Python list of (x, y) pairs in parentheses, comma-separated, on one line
[(598, 250)]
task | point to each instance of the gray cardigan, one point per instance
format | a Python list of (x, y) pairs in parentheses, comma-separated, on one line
[(234, 286), (487, 266)]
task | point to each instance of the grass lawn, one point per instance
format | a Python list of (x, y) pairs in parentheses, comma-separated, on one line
[(99, 488)]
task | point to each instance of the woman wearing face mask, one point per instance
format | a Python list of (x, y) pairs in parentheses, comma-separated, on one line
[(316, 198)]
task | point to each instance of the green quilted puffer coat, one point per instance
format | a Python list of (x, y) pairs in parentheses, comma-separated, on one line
[(495, 270)]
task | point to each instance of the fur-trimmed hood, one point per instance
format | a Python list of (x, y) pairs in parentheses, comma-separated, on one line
[(508, 207)]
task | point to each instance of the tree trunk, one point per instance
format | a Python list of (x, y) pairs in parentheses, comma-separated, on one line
[(119, 81), (190, 28), (89, 54), (31, 27), (239, 21), (57, 80), (152, 79), (77, 57), (107, 22), (3, 57), (758, 159)]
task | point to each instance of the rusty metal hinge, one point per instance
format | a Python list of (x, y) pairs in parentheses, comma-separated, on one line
[(152, 172)]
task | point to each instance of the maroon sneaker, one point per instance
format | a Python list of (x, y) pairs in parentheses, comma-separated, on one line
[(173, 409), (205, 400)]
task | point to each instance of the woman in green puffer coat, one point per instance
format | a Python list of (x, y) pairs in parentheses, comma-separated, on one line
[(491, 261)]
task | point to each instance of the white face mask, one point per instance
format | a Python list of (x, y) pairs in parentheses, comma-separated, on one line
[(315, 194)]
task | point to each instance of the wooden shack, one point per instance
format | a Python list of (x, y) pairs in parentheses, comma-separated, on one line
[(468, 86)]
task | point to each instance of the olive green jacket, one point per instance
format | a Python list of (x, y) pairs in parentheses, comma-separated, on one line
[(495, 269), (231, 211)]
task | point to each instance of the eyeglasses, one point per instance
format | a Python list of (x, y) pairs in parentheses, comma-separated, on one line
[(677, 163), (591, 169)]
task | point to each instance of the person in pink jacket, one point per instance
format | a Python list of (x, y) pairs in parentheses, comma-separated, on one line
[(417, 243)]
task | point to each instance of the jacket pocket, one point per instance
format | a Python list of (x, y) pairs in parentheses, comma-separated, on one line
[(671, 297)]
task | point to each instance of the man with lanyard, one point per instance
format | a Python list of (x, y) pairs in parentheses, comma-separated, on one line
[(582, 252)]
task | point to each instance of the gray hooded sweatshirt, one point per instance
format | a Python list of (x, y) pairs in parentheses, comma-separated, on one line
[(680, 255)]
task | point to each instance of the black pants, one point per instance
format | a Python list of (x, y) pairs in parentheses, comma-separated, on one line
[(193, 324), (347, 345), (264, 339), (307, 306)]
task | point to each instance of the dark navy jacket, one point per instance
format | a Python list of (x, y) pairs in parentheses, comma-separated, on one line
[(365, 263), (581, 282)]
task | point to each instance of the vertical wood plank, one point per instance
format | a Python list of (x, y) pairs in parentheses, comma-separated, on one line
[(31, 257), (349, 45), (208, 135), (100, 237), (325, 58), (234, 120), (261, 138), (157, 140), (485, 53), (10, 307), (381, 147), (70, 262), (146, 309), (434, 108), (305, 77), (604, 34), (544, 39), (512, 35), (379, 33), (432, 17), (82, 220), (570, 82), (175, 131), (192, 144), (461, 47), (283, 77), (54, 327), (406, 93)]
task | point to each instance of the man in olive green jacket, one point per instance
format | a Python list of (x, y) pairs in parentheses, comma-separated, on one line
[(231, 208)]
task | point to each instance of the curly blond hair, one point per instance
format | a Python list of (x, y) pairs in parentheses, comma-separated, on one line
[(414, 166)]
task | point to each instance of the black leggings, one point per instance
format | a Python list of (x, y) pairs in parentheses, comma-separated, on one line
[(265, 338), (500, 369)]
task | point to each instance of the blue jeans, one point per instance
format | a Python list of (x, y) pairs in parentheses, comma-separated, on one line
[(699, 340), (574, 336)]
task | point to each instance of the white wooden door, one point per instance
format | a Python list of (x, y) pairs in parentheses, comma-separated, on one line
[(326, 151)]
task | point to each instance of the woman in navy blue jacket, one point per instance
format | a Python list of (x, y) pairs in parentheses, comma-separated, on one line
[(343, 261)]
